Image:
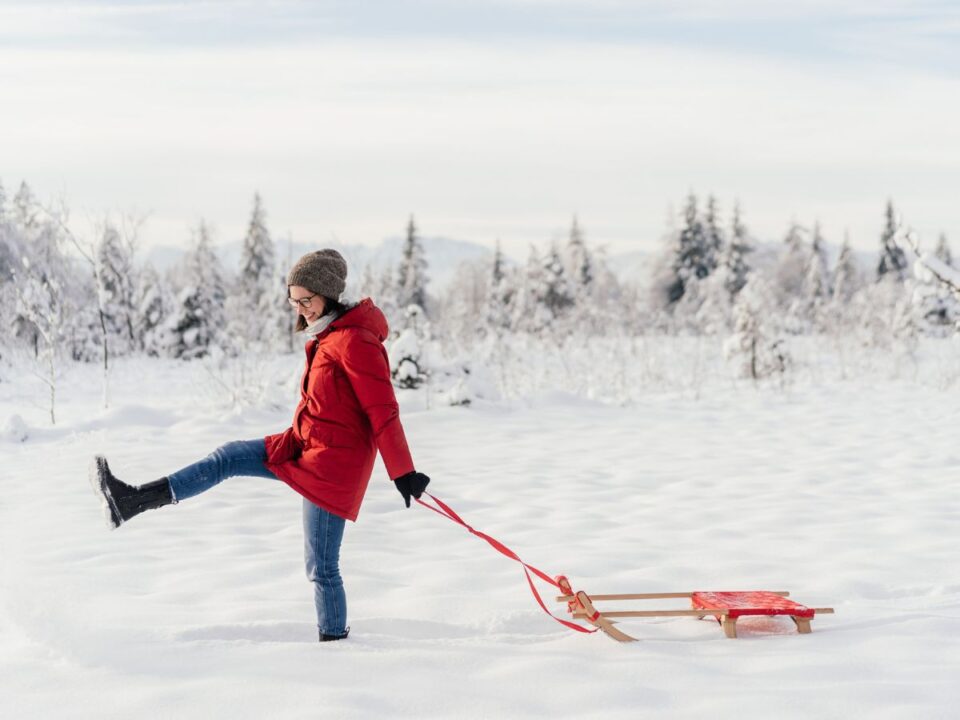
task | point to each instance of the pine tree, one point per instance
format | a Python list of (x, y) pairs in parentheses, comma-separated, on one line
[(816, 282), (817, 279), (942, 251), (368, 282), (691, 253), (197, 322), (893, 261), (734, 257), (258, 256), (499, 294), (793, 240), (791, 266), (754, 344), (115, 266), (256, 310), (412, 272), (408, 363), (557, 295), (713, 235), (529, 312), (579, 263), (386, 295), (7, 252), (846, 276), (25, 209), (154, 306)]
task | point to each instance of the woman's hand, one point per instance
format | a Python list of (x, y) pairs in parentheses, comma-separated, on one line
[(411, 485)]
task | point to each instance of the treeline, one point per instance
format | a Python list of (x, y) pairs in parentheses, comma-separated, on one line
[(90, 299)]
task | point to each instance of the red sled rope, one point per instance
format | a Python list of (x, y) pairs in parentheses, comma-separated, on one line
[(446, 511)]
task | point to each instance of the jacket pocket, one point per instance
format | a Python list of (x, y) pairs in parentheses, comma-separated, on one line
[(333, 436), (322, 385)]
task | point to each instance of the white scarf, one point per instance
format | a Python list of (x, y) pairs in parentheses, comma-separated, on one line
[(323, 322)]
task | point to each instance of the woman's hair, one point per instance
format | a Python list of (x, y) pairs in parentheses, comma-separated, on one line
[(330, 307)]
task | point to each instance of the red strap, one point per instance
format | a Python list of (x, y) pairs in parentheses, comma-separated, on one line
[(445, 510)]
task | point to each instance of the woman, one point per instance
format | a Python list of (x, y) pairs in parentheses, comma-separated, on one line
[(347, 412)]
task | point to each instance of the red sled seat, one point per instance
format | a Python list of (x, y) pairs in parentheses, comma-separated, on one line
[(728, 606), (751, 602)]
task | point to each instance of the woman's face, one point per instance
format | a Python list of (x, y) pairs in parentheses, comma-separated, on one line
[(306, 303)]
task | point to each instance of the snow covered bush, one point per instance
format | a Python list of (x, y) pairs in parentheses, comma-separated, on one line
[(755, 347), (409, 366), (15, 430), (406, 362)]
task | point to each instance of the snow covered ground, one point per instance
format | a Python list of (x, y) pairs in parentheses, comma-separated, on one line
[(844, 493)]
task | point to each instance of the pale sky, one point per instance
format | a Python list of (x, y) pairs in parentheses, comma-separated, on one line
[(496, 119)]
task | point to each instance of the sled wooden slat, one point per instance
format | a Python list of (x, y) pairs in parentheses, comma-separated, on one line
[(655, 613), (651, 596), (726, 606), (700, 612)]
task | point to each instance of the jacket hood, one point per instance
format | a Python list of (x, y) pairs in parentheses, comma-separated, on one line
[(365, 315)]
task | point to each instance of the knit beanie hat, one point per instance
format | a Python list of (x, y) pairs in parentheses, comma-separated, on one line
[(324, 272)]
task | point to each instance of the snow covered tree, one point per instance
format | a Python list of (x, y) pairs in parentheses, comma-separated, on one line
[(790, 271), (734, 255), (27, 238), (412, 271), (937, 287), (256, 312), (578, 263), (383, 291), (713, 312), (258, 255), (605, 307), (529, 311), (556, 292), (196, 323), (42, 280), (712, 235), (893, 261), (755, 345), (499, 294), (847, 278), (26, 210), (8, 255), (368, 282), (408, 364), (110, 263), (154, 306), (114, 263), (942, 253), (816, 282), (691, 253)]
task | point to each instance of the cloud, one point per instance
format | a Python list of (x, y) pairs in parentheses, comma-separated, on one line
[(483, 139)]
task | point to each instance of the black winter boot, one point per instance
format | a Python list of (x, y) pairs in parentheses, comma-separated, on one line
[(328, 638), (121, 501)]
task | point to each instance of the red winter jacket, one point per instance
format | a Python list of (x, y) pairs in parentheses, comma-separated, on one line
[(347, 412)]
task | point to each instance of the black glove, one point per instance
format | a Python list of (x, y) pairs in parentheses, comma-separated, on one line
[(411, 484)]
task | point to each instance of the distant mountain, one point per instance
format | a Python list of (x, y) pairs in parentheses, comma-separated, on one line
[(444, 255)]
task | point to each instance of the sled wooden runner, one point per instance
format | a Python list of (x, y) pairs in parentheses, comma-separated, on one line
[(725, 606)]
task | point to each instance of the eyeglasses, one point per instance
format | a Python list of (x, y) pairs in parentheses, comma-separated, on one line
[(303, 302)]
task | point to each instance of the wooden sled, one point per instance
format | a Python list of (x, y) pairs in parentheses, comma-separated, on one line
[(726, 607)]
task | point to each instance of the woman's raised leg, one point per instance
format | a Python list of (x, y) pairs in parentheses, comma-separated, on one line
[(240, 457)]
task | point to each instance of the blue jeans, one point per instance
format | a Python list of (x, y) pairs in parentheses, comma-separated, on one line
[(322, 530)]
